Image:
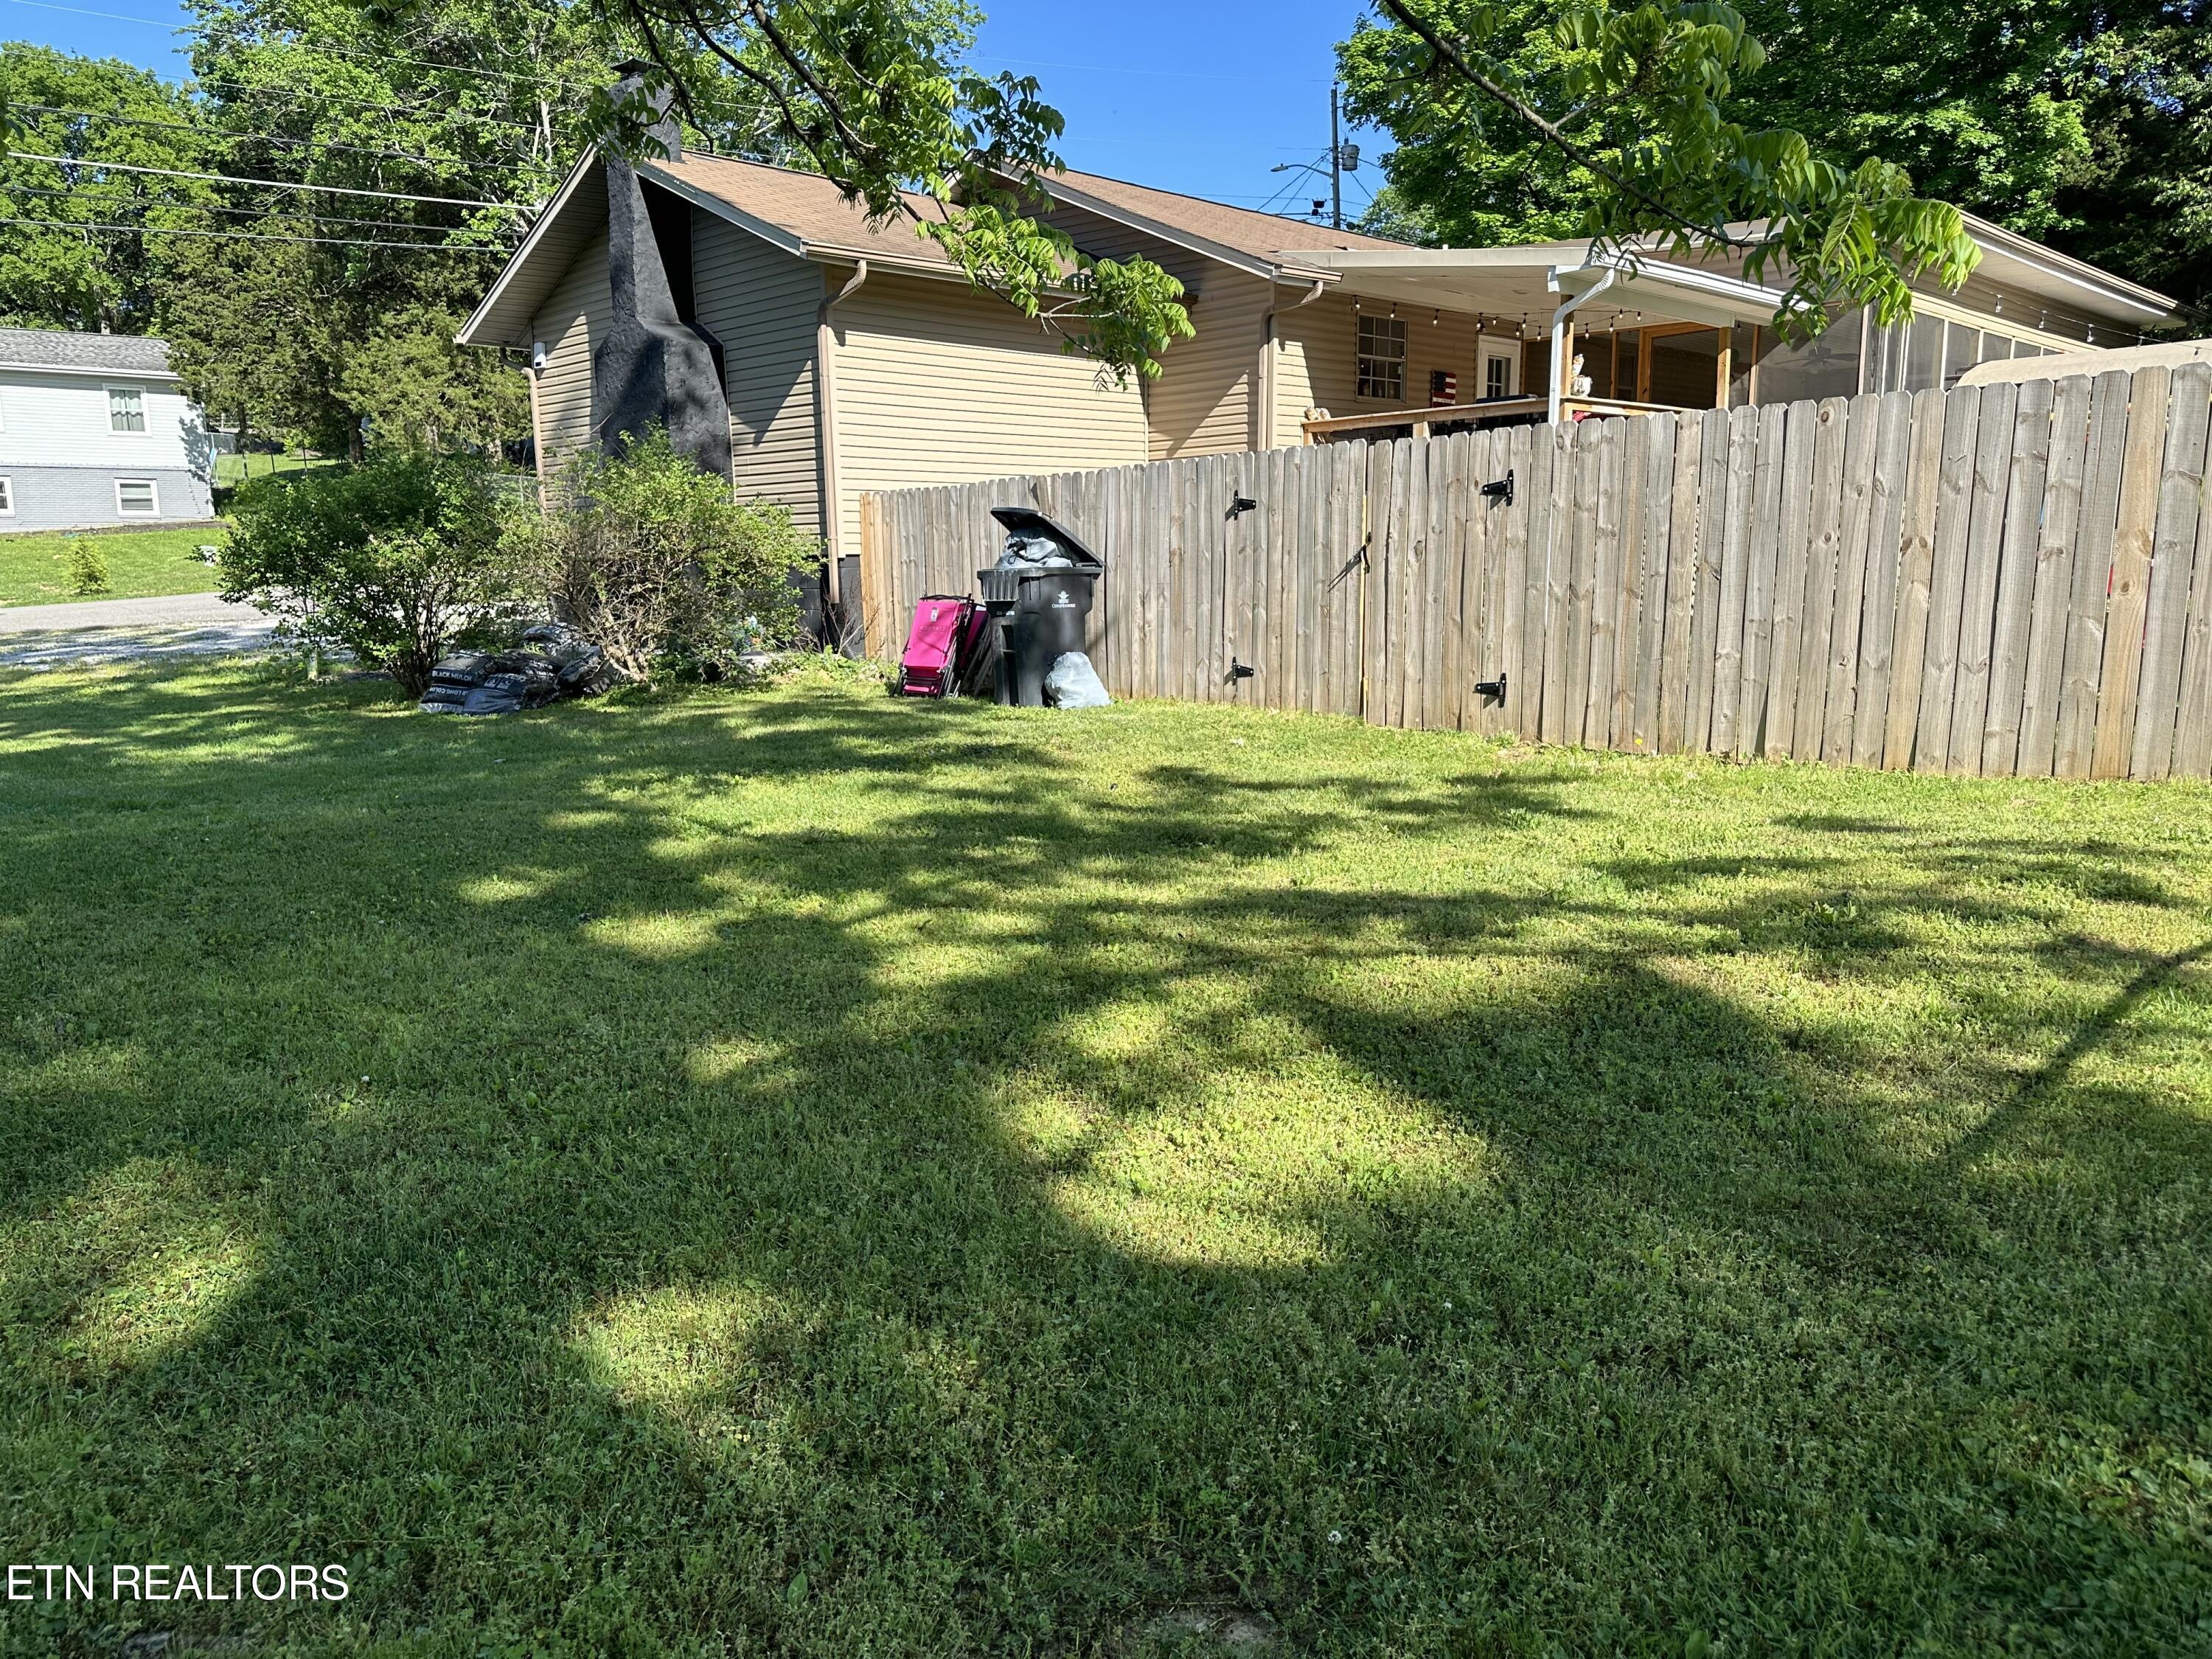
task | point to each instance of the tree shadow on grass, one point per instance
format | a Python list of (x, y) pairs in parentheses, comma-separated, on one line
[(714, 1173)]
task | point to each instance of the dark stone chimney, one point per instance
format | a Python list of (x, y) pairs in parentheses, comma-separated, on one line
[(655, 367)]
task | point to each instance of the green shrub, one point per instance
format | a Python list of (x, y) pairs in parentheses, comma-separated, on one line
[(652, 559), (86, 566), (398, 561)]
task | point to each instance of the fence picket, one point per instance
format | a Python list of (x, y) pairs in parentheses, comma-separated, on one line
[(1855, 552), (1939, 677), (1792, 553), (1478, 579), (2015, 577), (1573, 678), (1683, 534), (1510, 533), (1877, 628), (1704, 598), (2092, 576), (1627, 541), (2180, 505), (2131, 556), (1656, 464), (2056, 531), (1534, 499), (1977, 586), (1448, 537), (1735, 569), (1823, 558), (1756, 693), (2192, 730)]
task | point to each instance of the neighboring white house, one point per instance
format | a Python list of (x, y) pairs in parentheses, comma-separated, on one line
[(94, 430)]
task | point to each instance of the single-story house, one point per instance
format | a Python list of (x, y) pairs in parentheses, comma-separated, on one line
[(857, 357), (94, 430)]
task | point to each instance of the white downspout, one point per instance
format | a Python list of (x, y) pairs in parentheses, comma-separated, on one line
[(826, 418), (1559, 367), (1263, 424)]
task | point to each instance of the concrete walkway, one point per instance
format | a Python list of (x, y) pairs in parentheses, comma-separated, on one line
[(128, 630)]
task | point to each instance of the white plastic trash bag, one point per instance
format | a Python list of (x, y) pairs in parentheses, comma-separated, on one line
[(1074, 684)]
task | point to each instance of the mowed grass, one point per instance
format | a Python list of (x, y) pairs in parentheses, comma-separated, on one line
[(802, 1172), (234, 469), (141, 563)]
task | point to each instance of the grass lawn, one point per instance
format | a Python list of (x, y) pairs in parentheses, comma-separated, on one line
[(234, 469), (800, 1172), (140, 565)]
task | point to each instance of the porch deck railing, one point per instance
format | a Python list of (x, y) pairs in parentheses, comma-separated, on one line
[(1422, 422)]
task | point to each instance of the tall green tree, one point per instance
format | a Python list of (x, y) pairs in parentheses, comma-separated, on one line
[(1620, 120), (2086, 122), (59, 267), (878, 96), (2140, 202), (337, 326)]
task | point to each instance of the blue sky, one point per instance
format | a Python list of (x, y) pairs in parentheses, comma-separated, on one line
[(1244, 88)]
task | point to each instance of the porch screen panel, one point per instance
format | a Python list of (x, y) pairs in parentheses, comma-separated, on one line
[(1924, 355), (1746, 341), (1686, 368), (1826, 367)]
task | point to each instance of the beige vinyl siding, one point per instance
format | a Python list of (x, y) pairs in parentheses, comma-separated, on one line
[(937, 384), (1316, 358), (575, 316), (763, 306), (1202, 402)]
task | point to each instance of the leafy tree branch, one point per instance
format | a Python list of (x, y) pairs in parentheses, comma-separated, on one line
[(1642, 93)]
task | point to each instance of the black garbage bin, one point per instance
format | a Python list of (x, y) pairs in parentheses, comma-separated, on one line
[(1042, 610)]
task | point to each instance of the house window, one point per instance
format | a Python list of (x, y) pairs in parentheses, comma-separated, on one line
[(1382, 358), (7, 498), (126, 409), (1497, 376), (136, 498)]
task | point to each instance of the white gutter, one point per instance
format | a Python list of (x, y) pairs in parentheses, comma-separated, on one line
[(90, 372), (1573, 303), (1263, 418)]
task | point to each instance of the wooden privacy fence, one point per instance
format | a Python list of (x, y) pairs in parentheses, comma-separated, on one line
[(2003, 580)]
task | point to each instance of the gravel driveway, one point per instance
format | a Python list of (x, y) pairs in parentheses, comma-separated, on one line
[(126, 631)]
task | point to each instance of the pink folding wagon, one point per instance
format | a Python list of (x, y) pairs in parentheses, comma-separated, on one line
[(941, 647)]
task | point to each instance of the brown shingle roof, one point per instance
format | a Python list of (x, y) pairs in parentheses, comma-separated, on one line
[(807, 206), (1259, 236)]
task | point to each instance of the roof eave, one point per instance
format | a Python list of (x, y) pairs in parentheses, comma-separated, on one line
[(90, 371), (475, 332), (1251, 264), (2077, 273)]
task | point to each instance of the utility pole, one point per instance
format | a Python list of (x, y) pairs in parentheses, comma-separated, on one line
[(1335, 163)]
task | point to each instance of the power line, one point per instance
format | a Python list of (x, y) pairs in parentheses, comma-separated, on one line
[(83, 192), (263, 137), (272, 183), (246, 235), (260, 89), (540, 82)]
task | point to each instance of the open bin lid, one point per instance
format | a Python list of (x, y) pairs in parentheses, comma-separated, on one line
[(1029, 522)]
